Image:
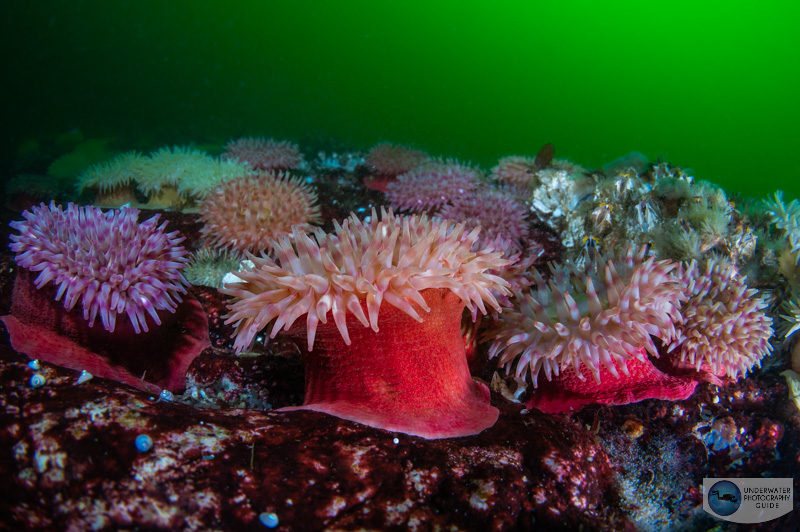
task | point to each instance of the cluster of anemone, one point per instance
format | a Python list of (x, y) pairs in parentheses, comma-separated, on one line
[(247, 213), (105, 263), (168, 178), (724, 326), (390, 160), (264, 154), (432, 185), (593, 317), (602, 313), (389, 259)]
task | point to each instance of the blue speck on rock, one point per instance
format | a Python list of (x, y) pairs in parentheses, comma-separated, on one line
[(143, 443), (268, 519)]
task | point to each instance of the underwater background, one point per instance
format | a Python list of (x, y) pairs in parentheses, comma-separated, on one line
[(638, 322), (712, 86)]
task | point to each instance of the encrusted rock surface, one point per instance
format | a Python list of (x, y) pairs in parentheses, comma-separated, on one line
[(662, 450), (69, 461)]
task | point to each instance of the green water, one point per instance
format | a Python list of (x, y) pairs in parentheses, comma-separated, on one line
[(712, 86)]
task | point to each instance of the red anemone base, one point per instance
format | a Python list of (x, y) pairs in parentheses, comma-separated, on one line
[(566, 392), (41, 328), (410, 377)]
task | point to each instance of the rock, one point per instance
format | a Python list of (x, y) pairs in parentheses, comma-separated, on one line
[(70, 461)]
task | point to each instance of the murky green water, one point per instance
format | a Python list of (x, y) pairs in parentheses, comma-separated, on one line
[(712, 87)]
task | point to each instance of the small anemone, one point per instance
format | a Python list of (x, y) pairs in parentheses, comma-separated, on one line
[(387, 159), (676, 241), (672, 189), (264, 154), (596, 316), (724, 326), (208, 266), (498, 212), (432, 185), (245, 214), (790, 312), (516, 170)]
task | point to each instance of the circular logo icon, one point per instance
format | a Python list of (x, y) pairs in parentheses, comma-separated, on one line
[(724, 498)]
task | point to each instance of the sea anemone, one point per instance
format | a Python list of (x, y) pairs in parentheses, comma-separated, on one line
[(790, 312), (517, 171), (412, 374), (246, 214), (390, 160), (432, 185), (170, 165), (264, 154), (108, 261), (112, 265), (114, 180), (180, 176), (724, 330), (208, 266), (202, 181), (595, 317), (676, 240), (497, 212)]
